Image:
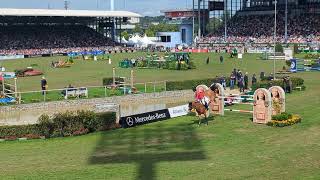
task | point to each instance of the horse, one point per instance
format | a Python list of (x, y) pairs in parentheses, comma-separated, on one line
[(200, 109)]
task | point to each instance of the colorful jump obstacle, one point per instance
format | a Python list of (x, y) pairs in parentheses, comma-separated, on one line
[(265, 103), (8, 91)]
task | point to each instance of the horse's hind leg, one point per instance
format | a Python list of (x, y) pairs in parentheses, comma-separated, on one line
[(199, 121)]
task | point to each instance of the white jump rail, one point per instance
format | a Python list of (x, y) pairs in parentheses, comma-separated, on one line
[(238, 103), (238, 110)]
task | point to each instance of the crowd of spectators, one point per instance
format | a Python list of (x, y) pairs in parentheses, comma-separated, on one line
[(302, 28), (46, 39)]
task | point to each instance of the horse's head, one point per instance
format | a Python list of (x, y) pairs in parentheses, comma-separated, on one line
[(213, 87), (192, 107)]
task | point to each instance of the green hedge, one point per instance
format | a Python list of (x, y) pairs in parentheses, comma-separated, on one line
[(61, 125), (296, 82), (109, 80), (191, 84), (279, 48), (18, 131)]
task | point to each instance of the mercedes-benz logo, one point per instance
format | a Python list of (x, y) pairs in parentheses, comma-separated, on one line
[(129, 121)]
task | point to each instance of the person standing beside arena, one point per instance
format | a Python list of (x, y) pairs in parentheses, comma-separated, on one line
[(246, 80), (253, 80), (44, 85), (221, 59), (223, 82), (232, 80)]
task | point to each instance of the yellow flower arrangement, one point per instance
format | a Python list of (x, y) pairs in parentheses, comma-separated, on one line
[(293, 120)]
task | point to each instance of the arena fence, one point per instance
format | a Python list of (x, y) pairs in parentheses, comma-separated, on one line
[(23, 97)]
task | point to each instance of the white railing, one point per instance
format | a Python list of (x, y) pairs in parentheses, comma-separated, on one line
[(125, 88)]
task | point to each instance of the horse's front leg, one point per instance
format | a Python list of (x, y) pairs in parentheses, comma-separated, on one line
[(206, 117)]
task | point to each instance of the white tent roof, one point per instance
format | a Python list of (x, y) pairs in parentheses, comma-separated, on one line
[(145, 40), (66, 13), (134, 39), (123, 40)]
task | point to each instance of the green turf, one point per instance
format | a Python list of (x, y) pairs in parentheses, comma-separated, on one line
[(231, 147), (90, 73)]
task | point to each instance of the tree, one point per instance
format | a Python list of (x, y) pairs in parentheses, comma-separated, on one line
[(162, 27), (214, 24), (137, 29), (150, 33), (125, 34), (279, 48)]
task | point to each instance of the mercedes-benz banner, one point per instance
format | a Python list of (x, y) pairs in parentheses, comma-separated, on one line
[(145, 118), (154, 116)]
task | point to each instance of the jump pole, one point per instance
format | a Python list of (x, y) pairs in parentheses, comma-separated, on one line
[(3, 86), (113, 76), (237, 110), (131, 79), (238, 103), (239, 95), (237, 98), (15, 88)]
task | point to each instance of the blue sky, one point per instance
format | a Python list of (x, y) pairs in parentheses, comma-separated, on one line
[(144, 7)]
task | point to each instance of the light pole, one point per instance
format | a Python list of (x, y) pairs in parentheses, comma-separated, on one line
[(199, 19), (225, 20), (274, 38), (286, 24), (193, 21)]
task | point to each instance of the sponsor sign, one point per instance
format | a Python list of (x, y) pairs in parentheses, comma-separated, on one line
[(32, 56), (293, 67), (11, 57), (8, 75), (179, 111), (288, 54), (193, 50), (154, 116), (144, 118)]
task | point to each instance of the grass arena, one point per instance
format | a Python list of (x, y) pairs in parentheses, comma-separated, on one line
[(230, 147)]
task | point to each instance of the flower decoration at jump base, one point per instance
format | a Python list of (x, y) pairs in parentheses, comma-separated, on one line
[(284, 119)]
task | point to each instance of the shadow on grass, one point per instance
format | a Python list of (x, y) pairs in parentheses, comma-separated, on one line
[(148, 145), (203, 121)]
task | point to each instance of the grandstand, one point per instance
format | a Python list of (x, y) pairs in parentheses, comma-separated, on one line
[(46, 31), (252, 21)]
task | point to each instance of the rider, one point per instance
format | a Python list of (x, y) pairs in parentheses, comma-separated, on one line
[(200, 97)]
